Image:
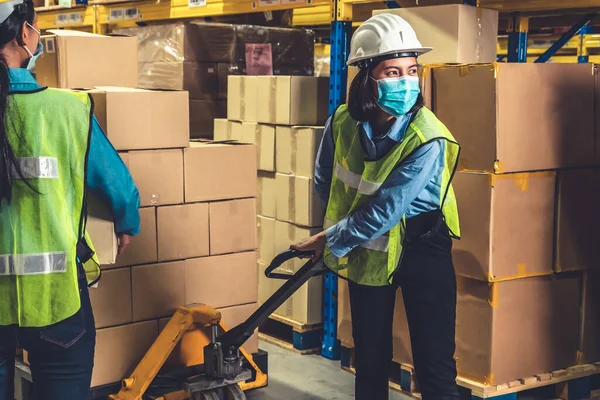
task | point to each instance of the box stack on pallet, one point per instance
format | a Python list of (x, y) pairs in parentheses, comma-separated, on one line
[(526, 187), (199, 57), (198, 235), (283, 115)]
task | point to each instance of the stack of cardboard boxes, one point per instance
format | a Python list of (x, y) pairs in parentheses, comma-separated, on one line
[(198, 57), (526, 191), (198, 215), (283, 116)]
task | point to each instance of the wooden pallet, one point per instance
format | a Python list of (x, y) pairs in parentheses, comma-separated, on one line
[(292, 335), (575, 383)]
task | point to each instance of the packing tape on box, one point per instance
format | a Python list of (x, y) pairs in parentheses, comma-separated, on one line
[(580, 359), (273, 98), (493, 295), (521, 179), (294, 153), (243, 98), (292, 200), (234, 210), (258, 142)]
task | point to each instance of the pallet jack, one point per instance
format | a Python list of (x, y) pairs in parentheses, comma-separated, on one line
[(212, 365)]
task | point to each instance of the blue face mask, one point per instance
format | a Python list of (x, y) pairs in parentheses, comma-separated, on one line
[(396, 96), (39, 50)]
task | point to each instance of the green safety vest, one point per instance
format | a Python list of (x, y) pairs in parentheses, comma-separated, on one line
[(355, 181), (49, 132)]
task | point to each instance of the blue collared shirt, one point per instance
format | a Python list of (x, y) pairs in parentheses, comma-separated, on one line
[(107, 176), (411, 189)]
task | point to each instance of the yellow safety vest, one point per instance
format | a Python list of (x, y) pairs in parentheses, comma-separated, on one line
[(49, 132), (356, 180)]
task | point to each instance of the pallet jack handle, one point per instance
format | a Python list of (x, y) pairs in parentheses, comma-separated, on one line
[(233, 339)]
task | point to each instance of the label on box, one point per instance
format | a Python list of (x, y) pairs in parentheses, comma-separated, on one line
[(196, 3), (259, 59), (268, 3), (116, 14), (75, 18), (132, 13), (49, 45)]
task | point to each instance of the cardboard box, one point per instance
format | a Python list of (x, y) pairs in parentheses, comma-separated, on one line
[(577, 220), (111, 298), (182, 231), (266, 201), (519, 328), (266, 239), (82, 60), (221, 281), (263, 136), (101, 229), (507, 225), (199, 79), (208, 165), (202, 117), (297, 149), (297, 201), (267, 287), (223, 72), (293, 100), (242, 98), (590, 345), (120, 349), (494, 111), (458, 33), (232, 226), (158, 175), (228, 130), (233, 316), (135, 119), (142, 248), (157, 289)]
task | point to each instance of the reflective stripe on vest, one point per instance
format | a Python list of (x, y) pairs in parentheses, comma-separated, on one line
[(37, 168), (378, 244), (356, 181), (33, 264)]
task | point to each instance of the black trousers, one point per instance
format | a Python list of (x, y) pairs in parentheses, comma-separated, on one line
[(426, 277)]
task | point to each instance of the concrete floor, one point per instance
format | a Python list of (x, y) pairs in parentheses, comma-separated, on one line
[(296, 377)]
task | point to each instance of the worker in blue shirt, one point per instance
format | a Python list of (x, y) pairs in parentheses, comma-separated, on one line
[(52, 155), (383, 172)]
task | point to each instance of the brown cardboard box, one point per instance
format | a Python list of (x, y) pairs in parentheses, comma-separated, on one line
[(263, 136), (266, 202), (120, 349), (293, 100), (506, 225), (199, 79), (202, 117), (182, 231), (297, 201), (228, 130), (266, 288), (242, 96), (135, 119), (208, 165), (142, 249), (288, 234), (232, 226), (577, 220), (111, 298), (590, 345), (233, 316), (494, 111), (158, 289), (82, 60), (297, 149), (458, 33), (101, 229), (519, 328), (266, 239), (158, 175), (221, 281)]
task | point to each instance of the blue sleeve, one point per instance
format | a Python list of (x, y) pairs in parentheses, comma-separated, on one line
[(110, 181), (324, 164), (390, 203)]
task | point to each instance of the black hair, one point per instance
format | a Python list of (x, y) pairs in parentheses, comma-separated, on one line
[(362, 102), (10, 30)]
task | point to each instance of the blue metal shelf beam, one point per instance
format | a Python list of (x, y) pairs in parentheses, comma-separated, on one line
[(565, 38)]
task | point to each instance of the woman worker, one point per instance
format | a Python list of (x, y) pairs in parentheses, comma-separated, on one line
[(52, 152), (383, 171)]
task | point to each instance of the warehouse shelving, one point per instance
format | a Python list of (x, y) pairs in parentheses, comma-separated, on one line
[(340, 16)]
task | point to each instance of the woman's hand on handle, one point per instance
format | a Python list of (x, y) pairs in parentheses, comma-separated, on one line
[(314, 243), (124, 240)]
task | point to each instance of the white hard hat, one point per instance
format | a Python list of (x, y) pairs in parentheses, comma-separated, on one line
[(384, 35), (7, 7)]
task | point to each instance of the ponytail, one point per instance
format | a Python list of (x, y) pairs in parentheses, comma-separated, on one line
[(9, 31)]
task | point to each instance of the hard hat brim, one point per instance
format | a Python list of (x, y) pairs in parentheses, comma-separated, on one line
[(418, 50)]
